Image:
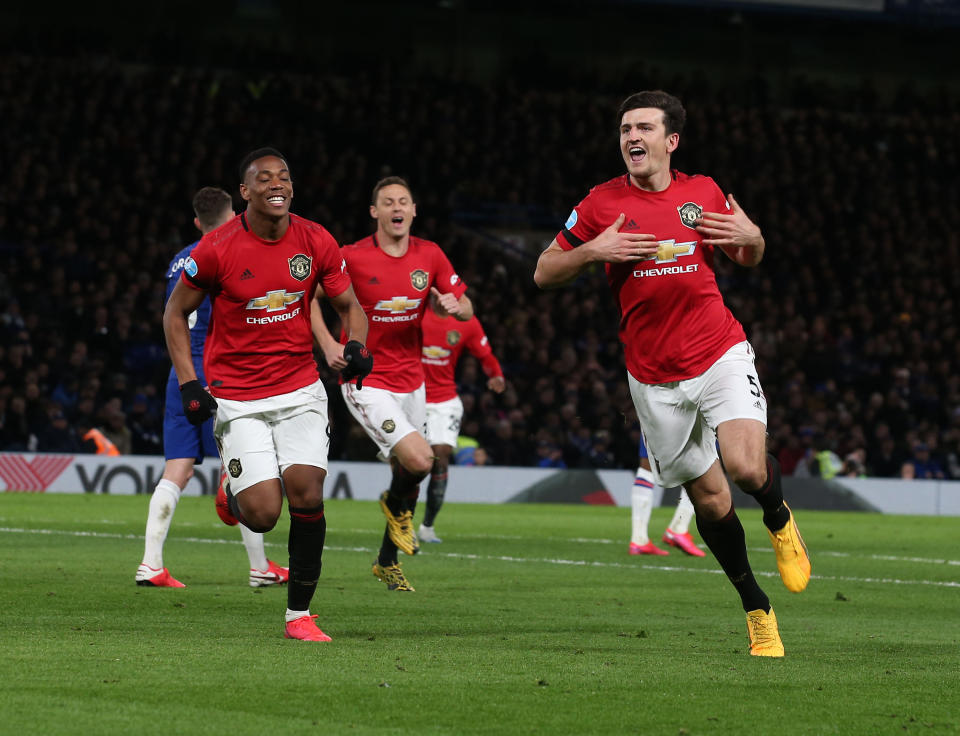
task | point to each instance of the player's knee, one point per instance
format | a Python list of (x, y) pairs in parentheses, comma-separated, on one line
[(750, 476), (260, 520), (420, 464)]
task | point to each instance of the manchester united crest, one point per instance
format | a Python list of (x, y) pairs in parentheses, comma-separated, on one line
[(300, 266), (419, 279), (235, 468), (388, 425), (453, 337), (689, 213)]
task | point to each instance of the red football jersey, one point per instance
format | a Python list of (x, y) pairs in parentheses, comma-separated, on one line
[(444, 338), (259, 342), (394, 293), (673, 322)]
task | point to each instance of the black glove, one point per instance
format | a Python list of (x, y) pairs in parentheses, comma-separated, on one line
[(359, 362), (198, 404)]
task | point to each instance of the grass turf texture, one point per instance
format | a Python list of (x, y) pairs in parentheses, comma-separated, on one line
[(527, 619)]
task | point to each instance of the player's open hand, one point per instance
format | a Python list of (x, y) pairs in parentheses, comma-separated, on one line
[(448, 302), (614, 246), (732, 228)]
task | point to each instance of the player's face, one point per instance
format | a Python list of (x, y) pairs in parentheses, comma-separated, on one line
[(267, 187), (394, 210), (644, 142)]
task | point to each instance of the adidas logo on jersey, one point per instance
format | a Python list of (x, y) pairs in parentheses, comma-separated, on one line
[(373, 280), (247, 274)]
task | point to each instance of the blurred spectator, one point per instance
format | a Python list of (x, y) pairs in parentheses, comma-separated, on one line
[(924, 466), (825, 463), (15, 434), (57, 435), (840, 357), (549, 455), (854, 465)]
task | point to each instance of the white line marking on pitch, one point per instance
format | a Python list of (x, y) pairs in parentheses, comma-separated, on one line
[(500, 558)]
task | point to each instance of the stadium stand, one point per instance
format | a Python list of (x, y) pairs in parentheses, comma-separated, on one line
[(853, 313)]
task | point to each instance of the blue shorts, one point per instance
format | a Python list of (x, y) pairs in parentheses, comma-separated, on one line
[(180, 438)]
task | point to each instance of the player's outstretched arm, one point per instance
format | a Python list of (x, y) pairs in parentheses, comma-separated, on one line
[(558, 267), (331, 349), (734, 233), (182, 303)]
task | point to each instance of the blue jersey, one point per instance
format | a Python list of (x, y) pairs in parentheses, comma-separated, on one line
[(199, 320), (180, 438)]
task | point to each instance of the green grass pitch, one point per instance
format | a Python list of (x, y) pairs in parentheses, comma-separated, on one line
[(528, 619)]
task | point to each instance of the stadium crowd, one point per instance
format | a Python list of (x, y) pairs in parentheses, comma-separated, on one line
[(853, 313)]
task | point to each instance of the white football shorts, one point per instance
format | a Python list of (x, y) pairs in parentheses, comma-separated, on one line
[(385, 416), (443, 422), (260, 439), (679, 419)]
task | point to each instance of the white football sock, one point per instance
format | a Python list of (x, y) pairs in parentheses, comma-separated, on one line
[(163, 503), (641, 505), (293, 615), (683, 515), (253, 541)]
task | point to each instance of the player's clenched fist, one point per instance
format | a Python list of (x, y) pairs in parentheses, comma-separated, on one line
[(359, 362), (198, 404), (613, 246)]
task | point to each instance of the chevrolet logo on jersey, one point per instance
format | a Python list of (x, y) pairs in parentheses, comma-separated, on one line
[(397, 304), (435, 351), (669, 250), (275, 301)]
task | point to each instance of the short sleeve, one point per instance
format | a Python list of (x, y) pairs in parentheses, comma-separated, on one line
[(580, 226), (446, 279), (334, 277), (202, 266)]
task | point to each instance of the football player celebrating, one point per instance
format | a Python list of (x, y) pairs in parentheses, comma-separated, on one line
[(689, 366), (265, 267), (394, 273), (444, 339)]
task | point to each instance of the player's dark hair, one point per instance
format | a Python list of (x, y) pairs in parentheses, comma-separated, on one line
[(674, 116), (254, 155), (386, 182), (210, 204)]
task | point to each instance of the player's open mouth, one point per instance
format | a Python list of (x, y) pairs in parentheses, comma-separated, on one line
[(398, 220), (637, 154), (276, 201)]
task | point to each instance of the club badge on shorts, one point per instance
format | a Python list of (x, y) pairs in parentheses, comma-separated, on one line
[(388, 425), (300, 266), (419, 279), (234, 468), (689, 214)]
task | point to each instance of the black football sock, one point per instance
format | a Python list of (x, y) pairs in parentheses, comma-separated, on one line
[(403, 486), (770, 497), (388, 551), (308, 530), (725, 539), (435, 492)]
